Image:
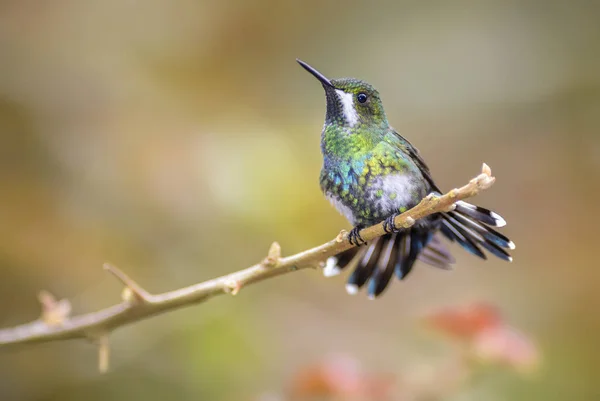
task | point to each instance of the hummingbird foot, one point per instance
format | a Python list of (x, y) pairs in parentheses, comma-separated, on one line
[(354, 236), (389, 224)]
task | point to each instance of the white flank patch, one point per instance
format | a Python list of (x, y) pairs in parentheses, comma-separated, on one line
[(343, 209), (352, 289), (331, 268), (399, 184), (347, 100)]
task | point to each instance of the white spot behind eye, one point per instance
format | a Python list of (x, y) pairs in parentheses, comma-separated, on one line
[(347, 100)]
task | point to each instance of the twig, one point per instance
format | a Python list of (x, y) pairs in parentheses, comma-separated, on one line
[(103, 353), (139, 304)]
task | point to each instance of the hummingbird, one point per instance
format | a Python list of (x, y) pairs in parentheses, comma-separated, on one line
[(371, 174)]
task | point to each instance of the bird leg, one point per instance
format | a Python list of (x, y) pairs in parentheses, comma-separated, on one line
[(354, 236), (389, 224)]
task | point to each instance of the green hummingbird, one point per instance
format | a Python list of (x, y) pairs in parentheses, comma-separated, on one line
[(372, 174)]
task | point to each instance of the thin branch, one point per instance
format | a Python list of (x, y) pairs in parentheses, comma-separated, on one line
[(139, 304)]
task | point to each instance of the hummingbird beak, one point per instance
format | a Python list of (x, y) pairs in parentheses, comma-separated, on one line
[(326, 82)]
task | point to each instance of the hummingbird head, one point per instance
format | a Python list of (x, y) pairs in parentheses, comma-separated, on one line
[(350, 101)]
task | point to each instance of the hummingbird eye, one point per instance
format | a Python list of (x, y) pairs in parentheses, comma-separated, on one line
[(361, 97)]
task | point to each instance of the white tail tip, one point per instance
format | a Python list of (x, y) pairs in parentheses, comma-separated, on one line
[(331, 268), (500, 222), (352, 289)]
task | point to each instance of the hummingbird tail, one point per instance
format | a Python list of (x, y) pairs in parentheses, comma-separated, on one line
[(469, 226), (388, 255)]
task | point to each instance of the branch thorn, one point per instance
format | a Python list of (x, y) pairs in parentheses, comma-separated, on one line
[(103, 353), (272, 259), (132, 291)]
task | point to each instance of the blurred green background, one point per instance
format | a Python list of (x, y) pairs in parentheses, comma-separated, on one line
[(178, 139)]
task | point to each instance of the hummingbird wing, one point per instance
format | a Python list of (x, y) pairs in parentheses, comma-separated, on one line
[(416, 157)]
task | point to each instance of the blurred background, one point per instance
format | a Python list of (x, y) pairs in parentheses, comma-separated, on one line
[(178, 139)]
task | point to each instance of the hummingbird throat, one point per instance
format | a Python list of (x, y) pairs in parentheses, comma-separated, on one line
[(347, 101)]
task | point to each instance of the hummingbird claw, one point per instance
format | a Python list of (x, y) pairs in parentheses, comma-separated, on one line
[(354, 237), (389, 224)]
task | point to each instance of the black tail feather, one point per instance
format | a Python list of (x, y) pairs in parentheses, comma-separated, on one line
[(365, 266), (458, 226), (436, 245), (404, 245), (413, 244), (480, 214), (453, 233), (385, 267), (432, 260), (436, 254), (497, 251), (488, 233)]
